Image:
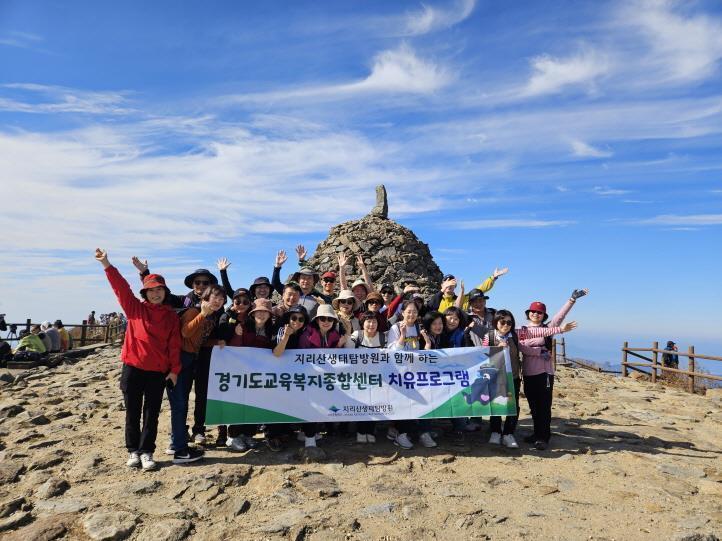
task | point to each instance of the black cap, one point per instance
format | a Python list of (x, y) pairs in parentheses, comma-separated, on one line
[(241, 291), (385, 287), (476, 294), (448, 277), (199, 272)]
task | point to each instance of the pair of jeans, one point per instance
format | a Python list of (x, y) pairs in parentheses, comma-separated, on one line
[(510, 421), (178, 400), (539, 390), (143, 396), (200, 382)]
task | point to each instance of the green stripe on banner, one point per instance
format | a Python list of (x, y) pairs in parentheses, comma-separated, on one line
[(219, 412), (456, 406)]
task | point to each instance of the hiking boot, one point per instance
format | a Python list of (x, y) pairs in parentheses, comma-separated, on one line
[(472, 426), (236, 444), (189, 455), (403, 441), (509, 441), (310, 442), (426, 440), (495, 438), (147, 462), (250, 441), (540, 445), (133, 460), (392, 433), (531, 438), (370, 438)]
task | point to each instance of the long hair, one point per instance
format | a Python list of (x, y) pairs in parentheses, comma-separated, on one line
[(460, 315), (502, 314), (432, 316)]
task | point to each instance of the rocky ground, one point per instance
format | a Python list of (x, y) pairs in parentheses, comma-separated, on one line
[(630, 460)]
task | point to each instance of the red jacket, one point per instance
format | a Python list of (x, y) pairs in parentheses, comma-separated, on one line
[(152, 338)]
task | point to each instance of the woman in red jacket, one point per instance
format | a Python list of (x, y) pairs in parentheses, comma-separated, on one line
[(150, 354)]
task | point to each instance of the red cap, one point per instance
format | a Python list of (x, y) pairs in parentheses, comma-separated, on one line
[(153, 280), (329, 274), (537, 306)]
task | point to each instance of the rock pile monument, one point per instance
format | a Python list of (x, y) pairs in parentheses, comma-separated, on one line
[(391, 251)]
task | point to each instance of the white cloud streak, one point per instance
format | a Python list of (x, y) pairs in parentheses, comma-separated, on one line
[(554, 75), (433, 18), (606, 191), (509, 223), (689, 220), (585, 150), (37, 98)]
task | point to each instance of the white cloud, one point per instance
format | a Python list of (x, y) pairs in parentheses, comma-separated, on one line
[(508, 223), (395, 71), (21, 40), (553, 75), (684, 48), (606, 191), (689, 220), (585, 150), (431, 18), (36, 98), (561, 188)]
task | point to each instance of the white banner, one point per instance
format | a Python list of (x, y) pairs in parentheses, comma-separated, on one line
[(252, 386)]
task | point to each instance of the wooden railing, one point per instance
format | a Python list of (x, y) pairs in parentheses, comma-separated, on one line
[(652, 363), (89, 333)]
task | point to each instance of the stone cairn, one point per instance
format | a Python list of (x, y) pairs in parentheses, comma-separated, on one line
[(392, 252)]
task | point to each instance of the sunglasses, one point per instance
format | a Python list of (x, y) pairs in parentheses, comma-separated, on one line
[(373, 301), (329, 280), (299, 319), (536, 312), (387, 292), (346, 301), (201, 282), (504, 322), (241, 301), (324, 319)]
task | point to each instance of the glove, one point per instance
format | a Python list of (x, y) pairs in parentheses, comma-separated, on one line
[(578, 293)]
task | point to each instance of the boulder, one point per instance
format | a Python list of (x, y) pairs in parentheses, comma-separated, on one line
[(109, 526)]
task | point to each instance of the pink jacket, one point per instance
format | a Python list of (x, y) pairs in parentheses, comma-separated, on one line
[(539, 361)]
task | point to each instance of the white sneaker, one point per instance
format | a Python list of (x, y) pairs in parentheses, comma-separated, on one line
[(392, 433), (403, 441), (370, 438), (509, 441), (170, 450), (302, 437), (147, 462), (501, 400), (236, 444), (133, 460), (200, 439), (361, 438), (495, 438), (426, 440), (309, 442)]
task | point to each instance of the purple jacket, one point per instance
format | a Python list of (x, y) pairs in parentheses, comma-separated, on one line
[(311, 339), (541, 361)]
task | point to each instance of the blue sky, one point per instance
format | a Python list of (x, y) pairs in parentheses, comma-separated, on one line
[(577, 143)]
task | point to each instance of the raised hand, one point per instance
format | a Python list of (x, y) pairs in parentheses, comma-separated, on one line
[(446, 284), (402, 330), (360, 262), (342, 341), (206, 309), (342, 260), (142, 266), (461, 286), (569, 326), (102, 257), (301, 251), (223, 263), (579, 293), (281, 258), (499, 272)]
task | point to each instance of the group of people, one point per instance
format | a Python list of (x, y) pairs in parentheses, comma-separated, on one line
[(38, 341), (169, 340)]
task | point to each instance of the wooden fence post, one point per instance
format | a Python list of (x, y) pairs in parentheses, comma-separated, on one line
[(83, 333), (624, 359), (106, 338), (655, 345), (690, 367), (554, 353), (564, 350), (28, 322)]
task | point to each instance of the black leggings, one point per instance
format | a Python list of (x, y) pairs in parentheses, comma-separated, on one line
[(510, 422), (200, 382), (538, 390)]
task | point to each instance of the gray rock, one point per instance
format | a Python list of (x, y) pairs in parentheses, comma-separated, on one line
[(158, 507), (48, 460), (52, 487), (39, 420), (144, 487), (60, 506), (283, 522), (7, 377), (378, 509), (311, 454), (171, 529), (109, 526), (10, 471), (43, 529), (699, 537), (686, 472), (13, 521), (8, 507), (10, 409), (693, 523), (318, 485)]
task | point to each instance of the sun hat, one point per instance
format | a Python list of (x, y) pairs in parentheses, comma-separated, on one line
[(373, 296), (153, 280), (45, 325), (260, 281), (305, 270), (199, 272), (476, 294), (360, 282), (343, 295), (325, 310), (537, 307), (262, 305)]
